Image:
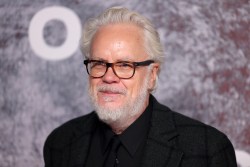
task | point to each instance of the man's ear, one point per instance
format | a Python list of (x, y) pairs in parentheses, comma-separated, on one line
[(154, 72)]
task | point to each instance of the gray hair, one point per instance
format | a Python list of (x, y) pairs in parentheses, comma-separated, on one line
[(152, 44), (113, 15)]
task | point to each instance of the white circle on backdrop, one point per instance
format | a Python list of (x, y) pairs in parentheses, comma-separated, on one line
[(243, 158), (73, 28)]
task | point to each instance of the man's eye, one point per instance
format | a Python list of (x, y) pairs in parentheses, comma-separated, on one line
[(125, 65), (98, 64)]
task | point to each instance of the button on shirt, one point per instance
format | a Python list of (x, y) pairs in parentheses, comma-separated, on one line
[(133, 140)]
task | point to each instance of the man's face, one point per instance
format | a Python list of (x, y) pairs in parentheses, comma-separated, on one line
[(113, 43)]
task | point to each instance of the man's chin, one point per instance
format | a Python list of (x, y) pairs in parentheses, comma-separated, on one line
[(113, 98), (109, 113), (110, 101), (109, 105)]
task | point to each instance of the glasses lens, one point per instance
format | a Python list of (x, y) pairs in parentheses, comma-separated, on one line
[(124, 69), (96, 68)]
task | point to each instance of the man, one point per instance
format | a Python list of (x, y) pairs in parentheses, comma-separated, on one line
[(129, 128)]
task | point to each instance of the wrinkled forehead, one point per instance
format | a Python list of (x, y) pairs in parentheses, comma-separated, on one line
[(123, 41)]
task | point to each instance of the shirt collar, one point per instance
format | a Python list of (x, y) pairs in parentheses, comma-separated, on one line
[(106, 134), (133, 136)]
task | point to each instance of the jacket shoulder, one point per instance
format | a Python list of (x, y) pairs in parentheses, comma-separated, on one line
[(195, 137), (70, 130)]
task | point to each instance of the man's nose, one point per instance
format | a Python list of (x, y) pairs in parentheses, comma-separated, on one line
[(110, 76)]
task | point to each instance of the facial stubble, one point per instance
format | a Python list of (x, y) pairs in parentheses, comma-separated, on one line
[(133, 107)]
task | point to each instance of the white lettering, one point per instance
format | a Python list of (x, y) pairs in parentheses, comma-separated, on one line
[(73, 27), (243, 158)]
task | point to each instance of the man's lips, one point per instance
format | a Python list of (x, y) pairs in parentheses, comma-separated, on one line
[(109, 96), (110, 92), (107, 93)]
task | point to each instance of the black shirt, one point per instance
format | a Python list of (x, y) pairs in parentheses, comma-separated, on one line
[(133, 140)]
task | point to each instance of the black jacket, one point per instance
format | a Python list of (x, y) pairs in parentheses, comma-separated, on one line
[(174, 140)]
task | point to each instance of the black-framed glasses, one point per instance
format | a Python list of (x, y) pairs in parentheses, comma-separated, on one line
[(122, 69)]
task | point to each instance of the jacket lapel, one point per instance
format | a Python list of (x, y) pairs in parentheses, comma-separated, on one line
[(161, 148)]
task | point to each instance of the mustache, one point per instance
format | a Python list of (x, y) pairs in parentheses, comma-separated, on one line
[(109, 88)]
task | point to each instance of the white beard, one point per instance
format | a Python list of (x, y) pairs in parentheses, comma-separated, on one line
[(131, 108)]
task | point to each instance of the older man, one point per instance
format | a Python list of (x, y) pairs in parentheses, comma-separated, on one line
[(129, 128)]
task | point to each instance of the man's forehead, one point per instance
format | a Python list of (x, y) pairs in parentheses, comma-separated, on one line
[(114, 58), (124, 30), (118, 42)]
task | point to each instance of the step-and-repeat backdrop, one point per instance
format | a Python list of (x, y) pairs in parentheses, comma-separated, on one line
[(43, 83)]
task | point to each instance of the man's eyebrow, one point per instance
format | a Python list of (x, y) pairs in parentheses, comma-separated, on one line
[(97, 58), (118, 60), (126, 59)]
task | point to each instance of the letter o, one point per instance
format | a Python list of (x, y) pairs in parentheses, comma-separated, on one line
[(243, 158), (73, 28)]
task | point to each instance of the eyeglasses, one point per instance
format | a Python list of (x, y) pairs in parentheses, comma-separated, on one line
[(123, 69)]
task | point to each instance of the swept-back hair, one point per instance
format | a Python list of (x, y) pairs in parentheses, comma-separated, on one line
[(152, 44)]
